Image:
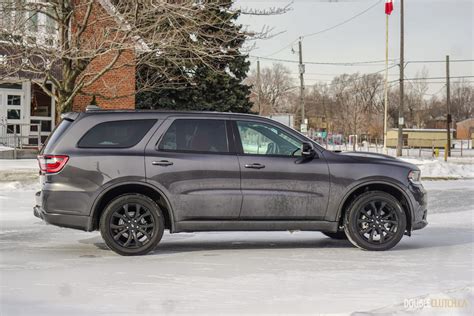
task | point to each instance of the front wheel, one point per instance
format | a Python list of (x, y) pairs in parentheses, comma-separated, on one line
[(132, 224), (375, 221)]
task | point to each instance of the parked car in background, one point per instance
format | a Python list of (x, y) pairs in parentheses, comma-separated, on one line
[(133, 174)]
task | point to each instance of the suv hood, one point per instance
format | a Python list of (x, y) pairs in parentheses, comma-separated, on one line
[(377, 158)]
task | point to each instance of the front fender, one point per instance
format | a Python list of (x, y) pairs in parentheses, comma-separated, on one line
[(336, 203)]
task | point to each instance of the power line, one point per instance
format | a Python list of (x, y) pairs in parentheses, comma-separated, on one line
[(438, 61), (326, 29), (356, 63), (343, 22), (434, 78)]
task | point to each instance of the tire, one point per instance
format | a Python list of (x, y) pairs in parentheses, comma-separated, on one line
[(375, 221), (340, 235), (128, 232)]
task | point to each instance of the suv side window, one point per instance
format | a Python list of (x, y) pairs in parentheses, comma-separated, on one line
[(265, 139), (196, 135), (116, 134)]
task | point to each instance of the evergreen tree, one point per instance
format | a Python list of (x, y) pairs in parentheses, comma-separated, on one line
[(208, 86)]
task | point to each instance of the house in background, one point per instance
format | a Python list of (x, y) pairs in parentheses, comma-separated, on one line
[(27, 113), (465, 129)]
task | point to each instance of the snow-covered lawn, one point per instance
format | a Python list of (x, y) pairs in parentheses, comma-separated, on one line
[(454, 168), (47, 270)]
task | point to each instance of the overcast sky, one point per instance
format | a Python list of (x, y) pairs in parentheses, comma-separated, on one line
[(433, 29)]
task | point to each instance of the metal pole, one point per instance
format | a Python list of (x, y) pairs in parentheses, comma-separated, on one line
[(301, 71), (259, 88), (401, 120), (448, 108), (385, 89), (14, 141)]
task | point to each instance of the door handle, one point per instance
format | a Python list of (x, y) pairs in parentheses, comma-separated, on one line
[(255, 166), (162, 163)]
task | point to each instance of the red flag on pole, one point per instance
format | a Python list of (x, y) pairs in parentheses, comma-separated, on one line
[(388, 6)]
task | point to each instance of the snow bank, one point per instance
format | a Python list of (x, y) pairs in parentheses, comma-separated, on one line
[(5, 148), (454, 168), (11, 164), (10, 186)]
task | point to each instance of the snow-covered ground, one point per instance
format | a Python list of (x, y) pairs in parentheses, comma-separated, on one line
[(47, 270), (454, 168)]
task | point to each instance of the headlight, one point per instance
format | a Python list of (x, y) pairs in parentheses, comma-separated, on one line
[(414, 176)]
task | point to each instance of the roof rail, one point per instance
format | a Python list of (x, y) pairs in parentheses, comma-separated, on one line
[(92, 107)]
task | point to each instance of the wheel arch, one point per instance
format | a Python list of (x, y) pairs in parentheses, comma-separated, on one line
[(132, 187), (378, 185)]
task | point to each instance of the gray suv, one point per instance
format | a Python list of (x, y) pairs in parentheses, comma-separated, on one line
[(133, 174)]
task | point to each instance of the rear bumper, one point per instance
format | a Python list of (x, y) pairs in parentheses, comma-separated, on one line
[(62, 220)]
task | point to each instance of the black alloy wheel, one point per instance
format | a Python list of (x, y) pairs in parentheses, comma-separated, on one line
[(375, 221), (132, 224)]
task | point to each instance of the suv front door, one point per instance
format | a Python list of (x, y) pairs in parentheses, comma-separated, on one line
[(193, 162), (277, 182)]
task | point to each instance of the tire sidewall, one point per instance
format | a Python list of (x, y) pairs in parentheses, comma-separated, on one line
[(350, 222), (114, 205)]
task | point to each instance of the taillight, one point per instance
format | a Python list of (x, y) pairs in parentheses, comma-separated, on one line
[(52, 163)]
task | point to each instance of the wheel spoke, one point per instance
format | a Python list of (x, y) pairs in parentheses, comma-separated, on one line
[(137, 210), (371, 236), (120, 233), (113, 226), (143, 215), (374, 208), (380, 232), (363, 211), (127, 213), (148, 237), (128, 240), (365, 230), (382, 206), (134, 235)]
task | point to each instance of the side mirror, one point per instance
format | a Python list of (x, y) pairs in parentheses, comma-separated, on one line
[(307, 150)]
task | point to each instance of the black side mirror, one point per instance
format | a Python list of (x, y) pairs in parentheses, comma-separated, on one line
[(307, 150)]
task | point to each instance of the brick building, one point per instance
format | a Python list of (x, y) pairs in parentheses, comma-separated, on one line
[(27, 111), (465, 129)]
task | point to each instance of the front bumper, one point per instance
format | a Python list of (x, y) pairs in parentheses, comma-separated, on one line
[(62, 220), (420, 206)]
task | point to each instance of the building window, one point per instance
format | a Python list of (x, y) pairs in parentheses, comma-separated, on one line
[(40, 101), (13, 100), (13, 114)]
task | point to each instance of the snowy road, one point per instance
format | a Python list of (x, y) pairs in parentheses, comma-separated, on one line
[(50, 270)]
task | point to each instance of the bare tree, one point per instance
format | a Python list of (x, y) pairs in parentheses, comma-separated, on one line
[(73, 44), (275, 88), (462, 100)]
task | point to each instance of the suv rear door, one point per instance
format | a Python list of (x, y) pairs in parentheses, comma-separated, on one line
[(193, 161)]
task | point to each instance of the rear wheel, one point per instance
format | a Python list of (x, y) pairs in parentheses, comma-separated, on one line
[(375, 221), (132, 224), (340, 235)]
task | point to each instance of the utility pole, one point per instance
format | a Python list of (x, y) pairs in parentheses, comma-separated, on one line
[(259, 88), (448, 108), (303, 127), (401, 120)]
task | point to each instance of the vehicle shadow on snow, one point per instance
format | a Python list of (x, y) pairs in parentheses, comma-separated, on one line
[(432, 237), (176, 246)]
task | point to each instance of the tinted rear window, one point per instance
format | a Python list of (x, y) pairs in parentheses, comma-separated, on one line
[(116, 134), (55, 135), (193, 135)]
